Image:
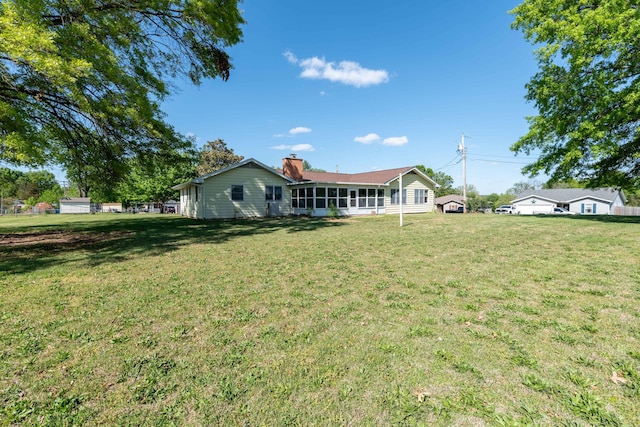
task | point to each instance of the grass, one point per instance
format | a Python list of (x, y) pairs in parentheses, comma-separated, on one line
[(451, 320)]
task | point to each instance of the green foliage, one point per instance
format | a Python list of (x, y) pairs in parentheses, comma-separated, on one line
[(306, 166), (153, 180), (586, 90), (81, 82), (215, 155), (445, 181)]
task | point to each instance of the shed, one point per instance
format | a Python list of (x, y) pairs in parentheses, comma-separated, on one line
[(77, 205)]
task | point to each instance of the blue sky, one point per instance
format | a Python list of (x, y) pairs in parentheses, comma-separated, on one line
[(362, 86)]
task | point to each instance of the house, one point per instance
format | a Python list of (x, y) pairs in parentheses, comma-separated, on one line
[(111, 207), (171, 206), (75, 205), (596, 201), (252, 189), (450, 203)]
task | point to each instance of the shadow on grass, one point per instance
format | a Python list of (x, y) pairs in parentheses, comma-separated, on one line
[(105, 241), (614, 219)]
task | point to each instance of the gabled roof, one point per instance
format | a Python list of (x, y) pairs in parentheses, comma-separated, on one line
[(381, 177), (567, 195), (449, 198), (75, 200), (202, 178)]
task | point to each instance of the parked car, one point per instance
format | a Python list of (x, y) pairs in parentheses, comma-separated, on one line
[(506, 209), (460, 209), (562, 211)]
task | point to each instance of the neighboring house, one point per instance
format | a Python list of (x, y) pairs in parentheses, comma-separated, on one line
[(111, 207), (597, 201), (450, 202), (171, 206), (252, 189), (75, 205)]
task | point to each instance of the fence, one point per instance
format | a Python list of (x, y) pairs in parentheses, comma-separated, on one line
[(627, 210)]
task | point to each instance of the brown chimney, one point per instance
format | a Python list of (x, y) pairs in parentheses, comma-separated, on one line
[(292, 167)]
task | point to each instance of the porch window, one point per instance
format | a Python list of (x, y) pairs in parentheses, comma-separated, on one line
[(321, 201), (380, 197), (237, 193), (342, 197), (333, 196), (362, 197)]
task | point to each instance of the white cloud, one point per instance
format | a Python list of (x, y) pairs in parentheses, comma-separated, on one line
[(346, 72), (303, 147), (297, 147), (298, 130), (290, 57), (395, 141), (367, 139)]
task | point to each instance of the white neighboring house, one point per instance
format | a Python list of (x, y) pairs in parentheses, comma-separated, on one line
[(78, 205), (595, 201), (251, 189)]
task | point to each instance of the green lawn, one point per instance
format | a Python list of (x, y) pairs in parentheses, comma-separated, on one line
[(451, 320)]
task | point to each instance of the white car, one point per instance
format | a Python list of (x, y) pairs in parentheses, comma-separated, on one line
[(562, 211), (505, 209)]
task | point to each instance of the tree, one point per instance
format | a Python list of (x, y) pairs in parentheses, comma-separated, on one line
[(215, 156), (306, 166), (81, 82), (586, 90), (445, 181), (153, 182), (520, 187)]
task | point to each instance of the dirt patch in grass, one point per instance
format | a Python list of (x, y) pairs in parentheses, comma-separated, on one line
[(58, 238)]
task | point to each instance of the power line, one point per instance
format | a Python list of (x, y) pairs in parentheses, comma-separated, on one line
[(497, 161)]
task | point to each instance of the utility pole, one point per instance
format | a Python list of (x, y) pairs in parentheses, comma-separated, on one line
[(463, 151)]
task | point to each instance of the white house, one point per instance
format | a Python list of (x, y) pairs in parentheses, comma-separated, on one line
[(597, 201), (252, 189), (75, 205)]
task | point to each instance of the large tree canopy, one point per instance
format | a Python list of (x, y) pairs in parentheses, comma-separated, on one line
[(81, 80), (587, 90), (215, 155)]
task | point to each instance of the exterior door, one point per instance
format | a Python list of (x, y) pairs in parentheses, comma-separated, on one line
[(353, 201)]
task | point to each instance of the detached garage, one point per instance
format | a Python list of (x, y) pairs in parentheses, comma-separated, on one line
[(78, 205)]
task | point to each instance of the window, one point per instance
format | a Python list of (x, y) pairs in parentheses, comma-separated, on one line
[(362, 197), (342, 200), (333, 197), (321, 201), (237, 192), (272, 193), (381, 197), (196, 193), (421, 196), (395, 196)]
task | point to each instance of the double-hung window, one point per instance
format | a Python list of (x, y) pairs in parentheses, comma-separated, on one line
[(395, 196), (420, 196), (237, 193)]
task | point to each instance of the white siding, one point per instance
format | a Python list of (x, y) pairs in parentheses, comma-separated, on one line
[(188, 205), (410, 182), (590, 206), (75, 207), (216, 193), (534, 206)]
